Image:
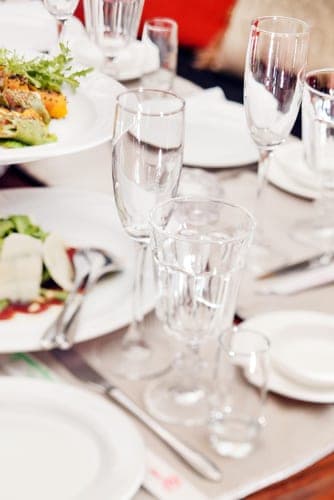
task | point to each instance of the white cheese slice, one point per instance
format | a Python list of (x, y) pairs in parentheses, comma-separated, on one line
[(58, 262), (20, 268)]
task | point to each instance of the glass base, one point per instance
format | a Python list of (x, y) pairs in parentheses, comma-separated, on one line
[(134, 358), (171, 400), (234, 437)]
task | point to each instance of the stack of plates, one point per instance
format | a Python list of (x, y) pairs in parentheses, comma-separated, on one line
[(301, 353)]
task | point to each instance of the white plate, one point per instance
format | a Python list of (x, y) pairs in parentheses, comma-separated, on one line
[(282, 322), (60, 442), (218, 138), (81, 218), (290, 172), (89, 122)]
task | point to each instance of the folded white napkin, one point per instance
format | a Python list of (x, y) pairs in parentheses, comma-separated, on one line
[(297, 281), (26, 25)]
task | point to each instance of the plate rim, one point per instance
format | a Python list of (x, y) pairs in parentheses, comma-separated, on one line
[(61, 390), (294, 390), (29, 154), (226, 103), (278, 177)]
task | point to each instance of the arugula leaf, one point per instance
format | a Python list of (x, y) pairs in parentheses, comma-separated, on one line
[(41, 72), (20, 224)]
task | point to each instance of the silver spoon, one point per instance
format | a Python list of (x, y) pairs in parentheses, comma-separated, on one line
[(90, 264)]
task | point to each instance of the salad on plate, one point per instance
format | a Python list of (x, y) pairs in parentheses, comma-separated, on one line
[(31, 95), (36, 268)]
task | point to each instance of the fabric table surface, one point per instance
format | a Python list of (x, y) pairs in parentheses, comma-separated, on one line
[(297, 434)]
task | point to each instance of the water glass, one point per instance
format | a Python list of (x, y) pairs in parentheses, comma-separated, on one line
[(199, 248), (161, 32), (274, 73), (318, 144), (237, 403), (115, 23), (146, 167)]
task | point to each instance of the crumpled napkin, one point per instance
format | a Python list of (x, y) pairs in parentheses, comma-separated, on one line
[(297, 282)]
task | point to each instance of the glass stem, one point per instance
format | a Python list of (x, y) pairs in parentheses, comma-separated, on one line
[(263, 167), (60, 28), (134, 334)]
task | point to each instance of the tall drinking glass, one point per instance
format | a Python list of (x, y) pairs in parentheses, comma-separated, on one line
[(146, 167), (199, 248), (62, 10), (274, 73), (318, 144)]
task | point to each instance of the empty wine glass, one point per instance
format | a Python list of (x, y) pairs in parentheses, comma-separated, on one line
[(62, 10), (318, 144), (146, 166), (274, 73), (199, 248)]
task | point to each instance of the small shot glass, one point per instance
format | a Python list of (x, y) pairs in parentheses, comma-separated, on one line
[(240, 390), (161, 33)]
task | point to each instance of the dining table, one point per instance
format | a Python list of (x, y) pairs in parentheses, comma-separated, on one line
[(311, 474)]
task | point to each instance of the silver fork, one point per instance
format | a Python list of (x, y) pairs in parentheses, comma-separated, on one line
[(90, 265)]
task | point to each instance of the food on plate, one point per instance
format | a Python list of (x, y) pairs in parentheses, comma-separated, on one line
[(35, 267), (31, 95)]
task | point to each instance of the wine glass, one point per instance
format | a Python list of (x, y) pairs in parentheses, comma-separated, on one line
[(274, 72), (318, 145), (199, 247), (62, 10), (146, 167)]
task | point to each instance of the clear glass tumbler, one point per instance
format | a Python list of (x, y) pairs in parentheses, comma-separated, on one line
[(146, 167), (199, 249), (161, 32), (240, 388), (116, 24)]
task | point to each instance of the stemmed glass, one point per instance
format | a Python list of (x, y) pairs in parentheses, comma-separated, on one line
[(62, 10), (274, 72), (146, 167), (318, 144), (199, 248)]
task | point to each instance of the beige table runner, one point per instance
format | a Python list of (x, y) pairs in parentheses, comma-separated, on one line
[(296, 435)]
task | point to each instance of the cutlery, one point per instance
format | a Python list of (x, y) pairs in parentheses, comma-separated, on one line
[(83, 371), (90, 264), (317, 261)]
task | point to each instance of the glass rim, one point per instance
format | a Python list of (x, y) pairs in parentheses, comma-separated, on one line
[(204, 200), (314, 72), (306, 26), (170, 23), (239, 330), (141, 90)]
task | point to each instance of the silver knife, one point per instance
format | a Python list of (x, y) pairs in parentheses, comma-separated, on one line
[(312, 263), (83, 371)]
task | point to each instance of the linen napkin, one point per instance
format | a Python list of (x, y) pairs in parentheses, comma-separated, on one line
[(26, 25), (296, 282)]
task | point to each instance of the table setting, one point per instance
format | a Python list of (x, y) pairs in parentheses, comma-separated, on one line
[(166, 262)]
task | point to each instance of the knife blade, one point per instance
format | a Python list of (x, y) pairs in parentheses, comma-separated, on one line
[(320, 260), (79, 367)]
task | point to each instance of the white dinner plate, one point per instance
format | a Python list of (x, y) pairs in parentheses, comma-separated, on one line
[(290, 376), (89, 122), (81, 218), (62, 443), (219, 137), (290, 172)]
